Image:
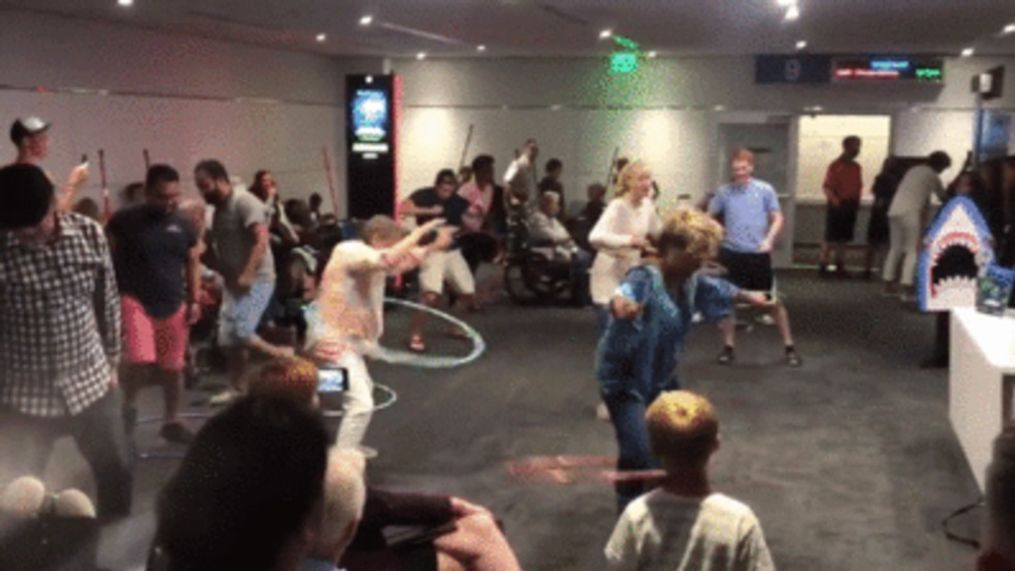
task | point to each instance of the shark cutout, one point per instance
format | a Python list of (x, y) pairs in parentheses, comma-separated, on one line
[(956, 248)]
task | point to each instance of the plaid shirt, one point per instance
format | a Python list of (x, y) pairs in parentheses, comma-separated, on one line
[(59, 320)]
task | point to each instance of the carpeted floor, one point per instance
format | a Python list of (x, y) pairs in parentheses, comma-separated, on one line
[(849, 462)]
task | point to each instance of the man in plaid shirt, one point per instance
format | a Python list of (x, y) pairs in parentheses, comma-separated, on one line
[(59, 338)]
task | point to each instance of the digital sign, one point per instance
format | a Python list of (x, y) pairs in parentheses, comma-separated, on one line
[(371, 122), (879, 69)]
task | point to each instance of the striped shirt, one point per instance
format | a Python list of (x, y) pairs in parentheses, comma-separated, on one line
[(59, 320), (661, 531)]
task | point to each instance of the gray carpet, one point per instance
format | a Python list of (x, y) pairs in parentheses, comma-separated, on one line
[(849, 462)]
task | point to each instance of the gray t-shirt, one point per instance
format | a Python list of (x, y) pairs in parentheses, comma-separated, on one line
[(231, 236), (660, 531)]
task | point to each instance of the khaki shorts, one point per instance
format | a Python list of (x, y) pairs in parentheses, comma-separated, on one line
[(449, 266)]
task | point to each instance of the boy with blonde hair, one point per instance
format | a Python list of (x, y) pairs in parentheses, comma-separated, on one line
[(683, 524)]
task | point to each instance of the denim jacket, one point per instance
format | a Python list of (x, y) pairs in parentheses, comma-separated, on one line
[(638, 356)]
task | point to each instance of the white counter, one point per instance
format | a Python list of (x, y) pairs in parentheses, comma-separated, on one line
[(980, 382)]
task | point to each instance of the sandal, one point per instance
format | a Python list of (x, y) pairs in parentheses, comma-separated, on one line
[(416, 344)]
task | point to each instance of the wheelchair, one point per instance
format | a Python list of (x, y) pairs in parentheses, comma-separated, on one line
[(534, 274)]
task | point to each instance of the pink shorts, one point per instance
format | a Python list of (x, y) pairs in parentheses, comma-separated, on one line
[(147, 340)]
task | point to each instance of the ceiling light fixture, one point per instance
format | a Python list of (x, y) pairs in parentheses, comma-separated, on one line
[(366, 20), (968, 52), (480, 48), (785, 3), (801, 45), (793, 14), (125, 3), (421, 55), (652, 54), (322, 37), (607, 33), (1009, 29)]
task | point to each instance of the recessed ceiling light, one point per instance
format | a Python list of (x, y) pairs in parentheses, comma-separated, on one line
[(801, 45), (652, 54), (785, 3), (605, 34), (322, 37), (719, 108), (968, 52), (370, 79), (421, 55), (793, 14), (480, 48), (366, 20), (125, 3), (1009, 29)]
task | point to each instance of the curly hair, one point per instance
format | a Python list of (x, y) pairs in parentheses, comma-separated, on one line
[(682, 427), (690, 230), (293, 378)]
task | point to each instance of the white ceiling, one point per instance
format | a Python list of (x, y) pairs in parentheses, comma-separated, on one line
[(570, 27)]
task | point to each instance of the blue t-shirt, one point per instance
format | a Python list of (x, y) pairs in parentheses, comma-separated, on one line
[(745, 209)]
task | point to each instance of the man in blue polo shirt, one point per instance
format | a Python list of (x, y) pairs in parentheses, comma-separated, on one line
[(750, 212)]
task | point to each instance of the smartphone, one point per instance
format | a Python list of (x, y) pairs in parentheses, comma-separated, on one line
[(332, 380), (84, 160)]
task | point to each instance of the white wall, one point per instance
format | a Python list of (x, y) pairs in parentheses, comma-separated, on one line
[(821, 138), (666, 113), (183, 98)]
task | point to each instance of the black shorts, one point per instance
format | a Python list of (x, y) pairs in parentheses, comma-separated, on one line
[(839, 222), (752, 272)]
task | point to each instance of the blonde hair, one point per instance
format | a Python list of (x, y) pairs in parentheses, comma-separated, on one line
[(682, 427), (381, 227), (628, 175), (690, 230)]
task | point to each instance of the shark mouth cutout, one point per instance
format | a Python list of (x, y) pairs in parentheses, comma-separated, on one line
[(955, 270)]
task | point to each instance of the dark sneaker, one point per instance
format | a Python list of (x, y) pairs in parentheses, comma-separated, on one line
[(725, 357), (176, 433), (793, 358)]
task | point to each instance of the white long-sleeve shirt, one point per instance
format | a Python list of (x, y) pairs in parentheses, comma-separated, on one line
[(915, 190), (519, 178), (612, 238)]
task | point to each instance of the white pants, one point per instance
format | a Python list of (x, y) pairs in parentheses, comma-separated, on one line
[(358, 401), (904, 239)]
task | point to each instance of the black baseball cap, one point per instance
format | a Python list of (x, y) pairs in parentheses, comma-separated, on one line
[(27, 126), (26, 194)]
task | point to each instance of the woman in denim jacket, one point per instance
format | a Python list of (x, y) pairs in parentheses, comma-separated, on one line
[(650, 314)]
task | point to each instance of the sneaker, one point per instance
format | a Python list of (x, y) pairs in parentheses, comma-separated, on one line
[(367, 452), (793, 358), (765, 319), (176, 433), (602, 413), (725, 357), (225, 397)]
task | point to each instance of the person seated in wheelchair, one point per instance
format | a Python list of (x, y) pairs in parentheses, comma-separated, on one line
[(547, 236)]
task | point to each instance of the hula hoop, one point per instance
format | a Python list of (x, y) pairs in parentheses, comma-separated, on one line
[(402, 357)]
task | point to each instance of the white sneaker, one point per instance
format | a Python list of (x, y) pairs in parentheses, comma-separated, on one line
[(367, 452), (225, 397), (603, 413)]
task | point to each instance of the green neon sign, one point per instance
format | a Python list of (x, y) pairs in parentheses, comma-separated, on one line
[(623, 62)]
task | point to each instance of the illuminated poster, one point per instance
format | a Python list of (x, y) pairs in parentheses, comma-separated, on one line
[(371, 121)]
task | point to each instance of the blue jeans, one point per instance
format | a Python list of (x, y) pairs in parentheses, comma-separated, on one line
[(627, 413)]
